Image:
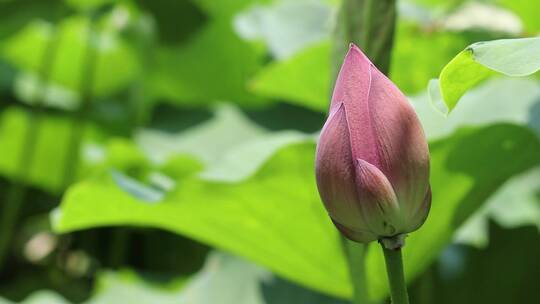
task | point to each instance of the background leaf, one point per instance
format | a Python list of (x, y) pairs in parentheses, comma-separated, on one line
[(512, 57), (461, 173), (304, 79), (178, 75), (116, 62), (234, 217), (49, 156)]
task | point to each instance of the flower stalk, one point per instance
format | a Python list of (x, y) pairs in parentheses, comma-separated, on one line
[(396, 277)]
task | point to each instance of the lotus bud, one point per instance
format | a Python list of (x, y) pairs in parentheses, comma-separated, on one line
[(372, 163)]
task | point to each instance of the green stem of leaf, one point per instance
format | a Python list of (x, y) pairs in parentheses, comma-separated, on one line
[(396, 277), (371, 25)]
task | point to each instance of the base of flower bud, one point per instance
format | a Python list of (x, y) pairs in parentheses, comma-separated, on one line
[(393, 243)]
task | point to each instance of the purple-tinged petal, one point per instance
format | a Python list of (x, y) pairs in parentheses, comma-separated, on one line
[(361, 236), (372, 158), (418, 217), (378, 202), (352, 90), (401, 143), (334, 170)]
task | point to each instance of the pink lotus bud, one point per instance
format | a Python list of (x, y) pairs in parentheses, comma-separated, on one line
[(372, 163)]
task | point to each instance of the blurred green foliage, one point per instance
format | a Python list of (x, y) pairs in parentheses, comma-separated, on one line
[(168, 129)]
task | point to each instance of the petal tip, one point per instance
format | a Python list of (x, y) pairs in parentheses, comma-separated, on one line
[(354, 50)]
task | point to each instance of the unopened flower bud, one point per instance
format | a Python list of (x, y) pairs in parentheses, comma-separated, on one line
[(372, 163)]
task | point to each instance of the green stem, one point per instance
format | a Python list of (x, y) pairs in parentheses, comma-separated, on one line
[(15, 197), (396, 277), (371, 25)]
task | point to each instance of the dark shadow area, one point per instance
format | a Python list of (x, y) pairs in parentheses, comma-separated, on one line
[(285, 116), (177, 21), (171, 118), (475, 152), (506, 271)]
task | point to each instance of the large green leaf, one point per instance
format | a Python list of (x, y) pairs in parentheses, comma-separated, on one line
[(274, 217), (511, 57), (303, 79), (116, 64)]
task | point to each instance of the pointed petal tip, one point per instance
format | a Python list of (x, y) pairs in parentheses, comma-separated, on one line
[(353, 46), (355, 50)]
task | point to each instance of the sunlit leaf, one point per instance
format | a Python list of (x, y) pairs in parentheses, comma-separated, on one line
[(303, 79), (280, 205), (511, 57)]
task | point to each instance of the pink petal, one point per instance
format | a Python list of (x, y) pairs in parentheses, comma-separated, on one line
[(352, 90), (401, 144), (334, 170), (378, 202), (361, 236), (418, 217)]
